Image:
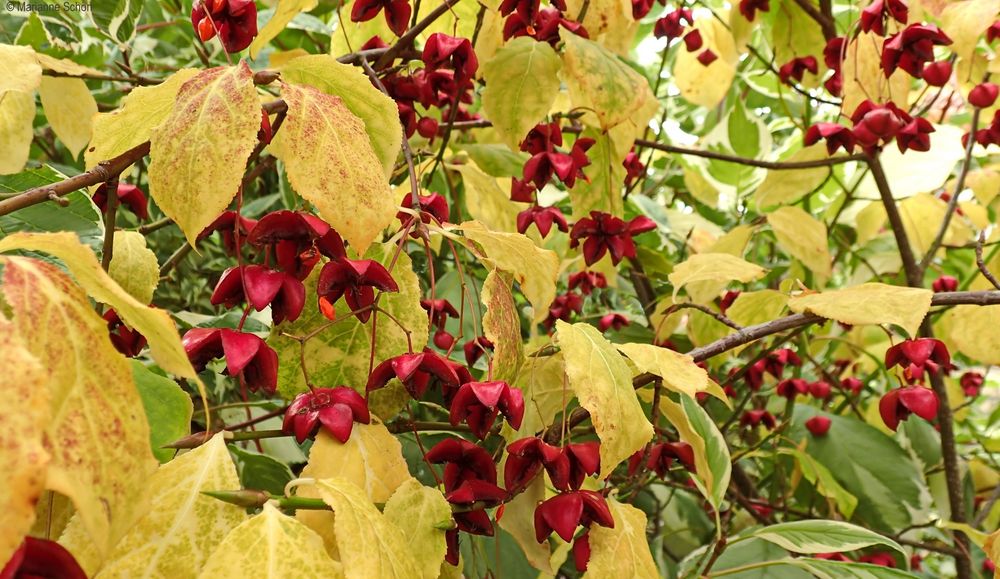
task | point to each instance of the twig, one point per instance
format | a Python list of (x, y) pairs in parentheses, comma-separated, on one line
[(981, 264)]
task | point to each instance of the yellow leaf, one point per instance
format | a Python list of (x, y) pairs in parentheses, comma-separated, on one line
[(534, 269), (370, 544), (621, 552), (93, 399), (200, 151), (918, 171), (331, 164), (17, 111), (371, 459), (19, 69), (25, 416), (134, 266), (176, 527), (485, 200), (70, 109), (870, 303), (985, 184), (864, 78), (720, 267), (490, 37), (271, 545), (922, 217), (600, 82), (975, 331), (459, 21), (752, 308), (133, 122), (992, 548), (966, 21), (283, 14), (519, 520), (349, 36), (869, 221), (787, 187), (803, 237), (734, 242), (608, 22), (602, 383), (281, 58), (155, 324), (542, 381), (707, 85), (502, 326), (521, 84), (64, 65), (340, 354), (678, 371), (420, 512), (377, 111)]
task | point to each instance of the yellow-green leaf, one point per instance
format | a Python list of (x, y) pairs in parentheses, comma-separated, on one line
[(133, 122), (824, 481), (621, 552), (992, 548), (720, 267), (377, 111), (283, 14), (602, 383), (200, 150), (678, 371), (339, 355), (370, 544), (870, 303), (521, 85), (797, 34), (711, 455), (922, 216), (371, 459), (707, 85), (502, 326), (134, 266), (975, 331), (752, 308), (421, 513), (534, 269), (601, 82), (985, 185), (606, 174), (17, 111), (787, 187), (803, 237), (609, 22), (271, 545), (25, 416), (92, 401), (19, 69), (331, 164), (485, 200), (542, 380), (176, 527), (519, 520), (155, 324), (734, 242)]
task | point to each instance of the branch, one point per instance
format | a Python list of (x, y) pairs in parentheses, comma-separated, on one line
[(913, 276), (981, 264), (410, 35), (953, 201), (828, 26)]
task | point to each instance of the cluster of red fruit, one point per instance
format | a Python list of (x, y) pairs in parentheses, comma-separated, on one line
[(527, 18)]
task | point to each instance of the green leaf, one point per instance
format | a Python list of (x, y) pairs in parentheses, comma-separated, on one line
[(823, 480), (521, 84), (377, 111), (819, 536), (716, 451), (603, 384), (260, 471), (840, 570), (495, 160), (168, 409), (889, 486), (80, 216), (116, 18)]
